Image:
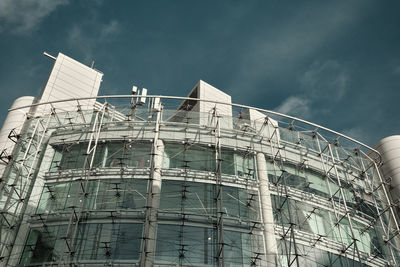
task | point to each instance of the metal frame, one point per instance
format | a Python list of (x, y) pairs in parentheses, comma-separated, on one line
[(270, 112), (331, 163)]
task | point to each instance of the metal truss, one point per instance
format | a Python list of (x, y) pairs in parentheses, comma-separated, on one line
[(20, 176), (67, 249), (22, 171)]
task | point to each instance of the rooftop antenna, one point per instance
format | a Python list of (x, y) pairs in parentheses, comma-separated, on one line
[(48, 55), (142, 100), (134, 90), (92, 64)]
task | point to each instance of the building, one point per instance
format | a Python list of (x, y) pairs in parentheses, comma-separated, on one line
[(141, 180)]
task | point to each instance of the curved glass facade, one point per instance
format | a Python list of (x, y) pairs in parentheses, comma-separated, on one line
[(174, 187)]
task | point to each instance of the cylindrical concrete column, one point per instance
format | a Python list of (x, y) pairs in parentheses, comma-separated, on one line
[(14, 121), (266, 211), (389, 148), (153, 203)]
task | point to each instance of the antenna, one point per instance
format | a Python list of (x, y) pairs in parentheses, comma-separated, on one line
[(48, 55), (143, 98), (134, 90), (157, 104)]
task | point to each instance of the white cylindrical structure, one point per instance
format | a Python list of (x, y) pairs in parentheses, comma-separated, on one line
[(153, 203), (389, 148), (266, 212), (14, 122)]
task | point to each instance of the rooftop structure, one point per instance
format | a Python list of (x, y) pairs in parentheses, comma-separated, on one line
[(149, 180)]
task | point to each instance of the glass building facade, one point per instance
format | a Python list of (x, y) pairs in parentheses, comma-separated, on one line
[(153, 186), (184, 181)]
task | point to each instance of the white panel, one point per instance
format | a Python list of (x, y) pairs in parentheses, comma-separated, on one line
[(143, 98), (208, 92), (257, 120), (71, 79)]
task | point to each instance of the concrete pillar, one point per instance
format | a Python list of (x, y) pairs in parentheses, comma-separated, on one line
[(389, 148), (153, 203), (14, 121), (266, 211)]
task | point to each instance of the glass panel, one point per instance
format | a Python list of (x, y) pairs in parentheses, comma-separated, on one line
[(127, 154), (128, 241), (55, 163), (241, 248), (93, 242), (189, 156), (71, 197), (324, 223), (87, 241), (40, 245), (53, 197), (238, 163), (73, 156), (311, 181), (311, 256), (100, 195), (228, 164), (115, 154), (240, 203), (195, 157), (199, 198), (189, 197), (185, 244)]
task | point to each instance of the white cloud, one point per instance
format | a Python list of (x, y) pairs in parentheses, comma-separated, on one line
[(295, 106), (21, 16), (274, 51), (75, 34), (85, 37), (109, 29), (322, 82), (327, 80)]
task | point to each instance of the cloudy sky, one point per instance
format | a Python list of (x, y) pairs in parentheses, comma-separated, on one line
[(336, 63)]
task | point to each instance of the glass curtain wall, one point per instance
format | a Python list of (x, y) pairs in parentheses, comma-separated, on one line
[(202, 158), (304, 197), (108, 154), (94, 241)]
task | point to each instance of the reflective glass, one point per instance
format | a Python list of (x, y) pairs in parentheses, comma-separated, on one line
[(92, 242), (189, 197), (199, 198), (189, 157), (186, 244), (107, 154), (103, 194), (195, 157)]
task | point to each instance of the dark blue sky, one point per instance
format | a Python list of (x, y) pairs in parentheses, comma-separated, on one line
[(336, 63)]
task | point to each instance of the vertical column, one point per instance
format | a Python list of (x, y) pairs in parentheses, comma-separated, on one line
[(12, 129), (218, 197), (153, 203), (153, 199), (266, 211)]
